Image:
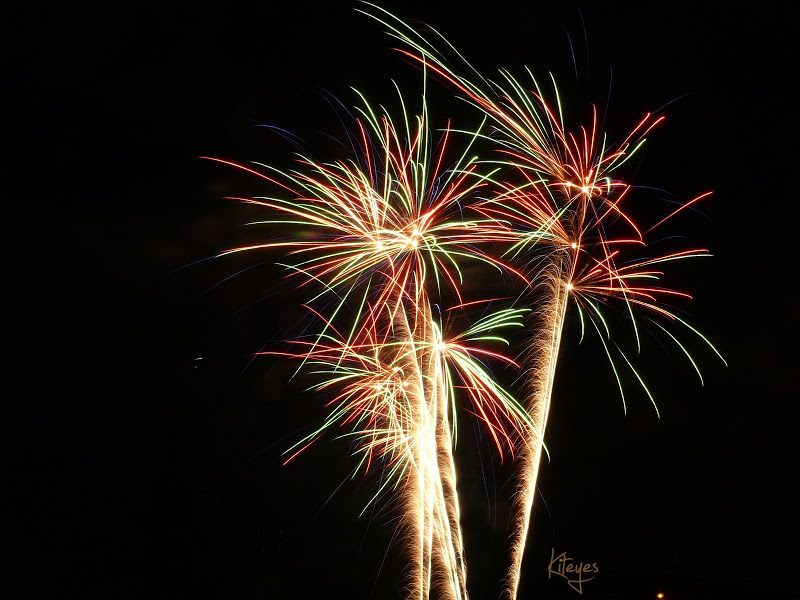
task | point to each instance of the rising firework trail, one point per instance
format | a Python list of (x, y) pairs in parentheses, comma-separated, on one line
[(561, 194)]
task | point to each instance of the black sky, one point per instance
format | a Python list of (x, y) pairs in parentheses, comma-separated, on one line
[(139, 471)]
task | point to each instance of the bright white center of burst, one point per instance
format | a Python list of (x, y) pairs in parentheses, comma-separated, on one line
[(585, 189), (412, 240), (569, 286), (574, 245), (442, 346)]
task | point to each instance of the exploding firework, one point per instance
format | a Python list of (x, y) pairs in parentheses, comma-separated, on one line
[(379, 240), (384, 234), (560, 193)]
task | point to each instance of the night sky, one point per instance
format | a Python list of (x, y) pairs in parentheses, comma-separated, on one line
[(145, 446)]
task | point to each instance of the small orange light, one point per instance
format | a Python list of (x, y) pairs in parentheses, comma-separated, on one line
[(659, 595)]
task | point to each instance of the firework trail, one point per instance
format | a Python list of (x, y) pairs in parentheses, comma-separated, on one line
[(560, 195), (381, 234), (397, 397)]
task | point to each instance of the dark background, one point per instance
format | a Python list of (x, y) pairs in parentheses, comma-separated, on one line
[(145, 447)]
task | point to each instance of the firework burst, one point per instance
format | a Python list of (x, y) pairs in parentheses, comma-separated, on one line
[(385, 222), (384, 233), (560, 194), (379, 239)]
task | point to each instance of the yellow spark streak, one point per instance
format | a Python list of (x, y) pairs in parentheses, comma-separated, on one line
[(431, 493), (447, 473), (449, 512), (543, 358)]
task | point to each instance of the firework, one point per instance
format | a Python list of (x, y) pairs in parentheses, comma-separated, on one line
[(383, 234), (561, 196), (389, 219), (379, 239)]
